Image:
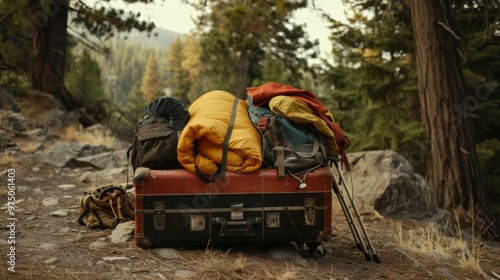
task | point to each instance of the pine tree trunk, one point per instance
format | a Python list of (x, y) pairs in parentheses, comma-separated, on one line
[(49, 57), (452, 163)]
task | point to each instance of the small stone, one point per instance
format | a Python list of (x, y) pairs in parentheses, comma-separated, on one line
[(59, 213), (51, 261), (67, 186), (74, 239), (166, 253), (23, 188), (50, 201), (38, 190), (184, 273), (97, 244), (114, 259), (19, 201), (287, 253), (49, 246), (31, 218), (35, 169)]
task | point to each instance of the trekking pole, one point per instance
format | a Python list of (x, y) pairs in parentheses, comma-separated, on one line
[(358, 216), (350, 221), (349, 218)]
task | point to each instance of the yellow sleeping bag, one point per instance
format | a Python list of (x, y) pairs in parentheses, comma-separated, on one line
[(206, 130)]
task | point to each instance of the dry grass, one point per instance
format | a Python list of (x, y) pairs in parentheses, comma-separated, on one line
[(428, 240), (39, 272), (431, 240), (215, 264), (222, 264), (76, 133), (31, 147), (8, 160)]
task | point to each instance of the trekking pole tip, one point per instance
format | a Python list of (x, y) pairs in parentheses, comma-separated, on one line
[(368, 257)]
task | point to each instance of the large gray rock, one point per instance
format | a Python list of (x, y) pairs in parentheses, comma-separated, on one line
[(106, 160), (385, 181), (7, 100), (56, 118), (18, 122), (111, 174), (65, 154), (42, 134)]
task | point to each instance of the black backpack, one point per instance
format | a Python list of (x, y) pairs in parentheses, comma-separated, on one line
[(157, 134)]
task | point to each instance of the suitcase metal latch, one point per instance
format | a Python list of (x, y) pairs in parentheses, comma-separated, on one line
[(310, 212), (237, 211), (159, 215)]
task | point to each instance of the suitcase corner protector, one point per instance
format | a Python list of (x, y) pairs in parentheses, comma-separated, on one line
[(143, 242), (324, 236)]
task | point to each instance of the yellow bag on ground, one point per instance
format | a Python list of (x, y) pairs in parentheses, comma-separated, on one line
[(106, 206)]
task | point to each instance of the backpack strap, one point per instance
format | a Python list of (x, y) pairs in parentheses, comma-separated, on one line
[(88, 209), (280, 160), (278, 145), (118, 213)]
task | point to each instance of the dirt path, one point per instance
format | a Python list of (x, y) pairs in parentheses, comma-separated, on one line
[(57, 247)]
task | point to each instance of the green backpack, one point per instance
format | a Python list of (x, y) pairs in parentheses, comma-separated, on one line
[(289, 147)]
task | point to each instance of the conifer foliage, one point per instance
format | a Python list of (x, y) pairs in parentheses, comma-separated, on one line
[(177, 75), (236, 35), (150, 86), (84, 79), (374, 78), (40, 28)]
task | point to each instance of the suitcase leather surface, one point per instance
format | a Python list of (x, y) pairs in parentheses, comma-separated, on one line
[(177, 208)]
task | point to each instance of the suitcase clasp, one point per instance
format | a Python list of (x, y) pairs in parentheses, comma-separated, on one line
[(159, 215)]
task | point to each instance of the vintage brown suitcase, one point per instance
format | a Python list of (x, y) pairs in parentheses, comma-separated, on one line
[(177, 208)]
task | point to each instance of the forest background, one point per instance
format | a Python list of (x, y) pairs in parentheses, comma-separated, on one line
[(369, 79)]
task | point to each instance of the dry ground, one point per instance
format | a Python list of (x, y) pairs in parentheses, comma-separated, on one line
[(76, 260)]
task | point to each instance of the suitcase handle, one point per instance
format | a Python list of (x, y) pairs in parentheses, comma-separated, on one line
[(247, 231)]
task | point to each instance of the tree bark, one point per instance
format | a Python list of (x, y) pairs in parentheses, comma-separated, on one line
[(452, 163), (50, 22)]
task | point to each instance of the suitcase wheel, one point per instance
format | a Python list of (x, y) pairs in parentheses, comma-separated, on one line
[(317, 251)]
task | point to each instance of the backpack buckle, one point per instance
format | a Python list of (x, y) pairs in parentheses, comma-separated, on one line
[(262, 124)]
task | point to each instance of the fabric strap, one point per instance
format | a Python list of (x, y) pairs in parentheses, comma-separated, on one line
[(221, 171), (226, 140)]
